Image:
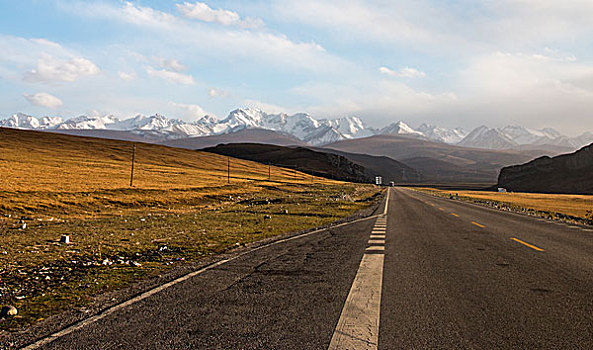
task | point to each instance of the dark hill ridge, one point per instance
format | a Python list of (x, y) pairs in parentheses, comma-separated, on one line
[(390, 169), (343, 166), (567, 173)]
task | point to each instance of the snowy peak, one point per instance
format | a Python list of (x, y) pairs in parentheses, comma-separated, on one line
[(524, 136), (84, 122), (485, 137), (50, 122), (324, 135), (400, 128), (512, 136), (20, 121), (436, 133), (350, 127)]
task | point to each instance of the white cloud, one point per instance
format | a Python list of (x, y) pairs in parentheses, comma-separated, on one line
[(201, 11), (171, 64), (213, 92), (170, 76), (405, 72), (190, 111), (127, 76), (50, 69), (226, 44), (44, 99), (378, 21)]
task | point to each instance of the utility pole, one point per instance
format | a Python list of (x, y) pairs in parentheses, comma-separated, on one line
[(133, 161), (228, 170)]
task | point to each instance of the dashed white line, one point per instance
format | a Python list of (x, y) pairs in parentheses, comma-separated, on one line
[(376, 241), (358, 326)]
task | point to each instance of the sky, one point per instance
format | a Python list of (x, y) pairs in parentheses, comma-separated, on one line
[(455, 63)]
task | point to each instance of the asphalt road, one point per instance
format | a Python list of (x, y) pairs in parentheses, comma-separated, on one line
[(432, 273)]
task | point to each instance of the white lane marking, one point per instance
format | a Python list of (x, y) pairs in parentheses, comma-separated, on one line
[(375, 248), (377, 237), (376, 241), (50, 338), (378, 231), (387, 201), (358, 326)]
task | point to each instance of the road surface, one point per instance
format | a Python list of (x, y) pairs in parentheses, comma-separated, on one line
[(431, 273)]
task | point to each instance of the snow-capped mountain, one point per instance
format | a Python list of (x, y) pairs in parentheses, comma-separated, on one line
[(303, 126), (24, 121), (485, 137), (400, 128), (436, 133), (524, 136), (84, 122), (171, 128), (513, 136), (350, 127)]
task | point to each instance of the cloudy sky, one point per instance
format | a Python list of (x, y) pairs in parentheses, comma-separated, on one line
[(451, 63)]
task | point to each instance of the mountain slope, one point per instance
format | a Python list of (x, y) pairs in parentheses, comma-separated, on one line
[(466, 164), (485, 137), (390, 169), (33, 161), (303, 159), (567, 173), (400, 128), (436, 133)]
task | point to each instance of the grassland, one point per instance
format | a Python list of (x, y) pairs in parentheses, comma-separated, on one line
[(565, 207), (180, 210)]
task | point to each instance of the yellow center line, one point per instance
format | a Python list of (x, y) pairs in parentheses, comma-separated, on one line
[(527, 244), (455, 215), (477, 224)]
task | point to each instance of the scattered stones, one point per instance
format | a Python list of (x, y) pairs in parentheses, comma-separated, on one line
[(65, 239), (8, 311), (267, 217), (135, 263)]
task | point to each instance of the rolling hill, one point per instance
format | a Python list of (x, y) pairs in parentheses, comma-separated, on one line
[(43, 161), (322, 162)]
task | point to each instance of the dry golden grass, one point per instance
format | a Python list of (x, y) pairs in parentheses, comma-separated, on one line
[(35, 161), (574, 205)]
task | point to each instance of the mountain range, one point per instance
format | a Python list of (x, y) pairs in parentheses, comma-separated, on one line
[(301, 126)]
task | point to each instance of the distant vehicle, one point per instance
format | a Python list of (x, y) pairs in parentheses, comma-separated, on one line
[(502, 189), (391, 183)]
